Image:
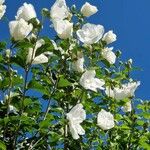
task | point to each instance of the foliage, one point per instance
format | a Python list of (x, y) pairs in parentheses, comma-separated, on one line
[(36, 97)]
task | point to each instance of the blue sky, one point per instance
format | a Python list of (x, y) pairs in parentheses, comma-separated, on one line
[(128, 18)]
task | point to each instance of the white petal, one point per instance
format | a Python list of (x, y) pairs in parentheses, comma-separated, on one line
[(88, 81), (90, 33), (105, 120), (30, 56), (20, 29), (73, 131), (63, 28), (76, 116), (59, 10), (88, 9), (40, 59)]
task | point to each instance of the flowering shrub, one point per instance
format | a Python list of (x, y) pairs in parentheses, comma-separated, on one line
[(72, 92)]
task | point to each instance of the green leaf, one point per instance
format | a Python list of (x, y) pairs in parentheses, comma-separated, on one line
[(144, 142), (36, 85), (2, 145), (2, 45), (146, 115), (140, 122), (63, 82), (27, 102), (17, 80), (47, 47), (44, 124), (18, 61), (24, 45)]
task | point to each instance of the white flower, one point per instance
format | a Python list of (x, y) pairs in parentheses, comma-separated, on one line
[(36, 59), (2, 8), (116, 93), (109, 37), (12, 109), (26, 12), (63, 28), (127, 107), (2, 1), (88, 81), (59, 10), (19, 29), (88, 10), (8, 53), (125, 91), (105, 120), (76, 116), (90, 33), (109, 55), (131, 87), (78, 65)]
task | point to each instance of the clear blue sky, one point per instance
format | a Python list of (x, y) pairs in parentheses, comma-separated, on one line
[(128, 18)]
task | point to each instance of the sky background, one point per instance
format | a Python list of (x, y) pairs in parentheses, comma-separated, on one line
[(129, 19)]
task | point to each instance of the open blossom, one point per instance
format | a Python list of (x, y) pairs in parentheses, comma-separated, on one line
[(63, 28), (109, 55), (2, 8), (19, 29), (88, 81), (78, 65), (90, 33), (26, 12), (125, 91), (59, 10), (76, 116), (32, 52), (109, 37), (88, 9), (105, 120)]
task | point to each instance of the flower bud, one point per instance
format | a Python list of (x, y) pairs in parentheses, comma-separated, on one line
[(8, 53), (109, 37), (88, 9)]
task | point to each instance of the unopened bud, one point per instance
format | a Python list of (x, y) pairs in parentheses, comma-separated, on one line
[(45, 12), (73, 7), (130, 61), (8, 53)]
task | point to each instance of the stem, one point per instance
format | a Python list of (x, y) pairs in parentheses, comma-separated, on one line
[(66, 129), (9, 90), (24, 89), (46, 113), (129, 145), (49, 102), (22, 110)]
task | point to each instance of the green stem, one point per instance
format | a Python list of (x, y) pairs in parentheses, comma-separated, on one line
[(9, 90), (52, 93), (129, 145), (24, 89), (66, 128)]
